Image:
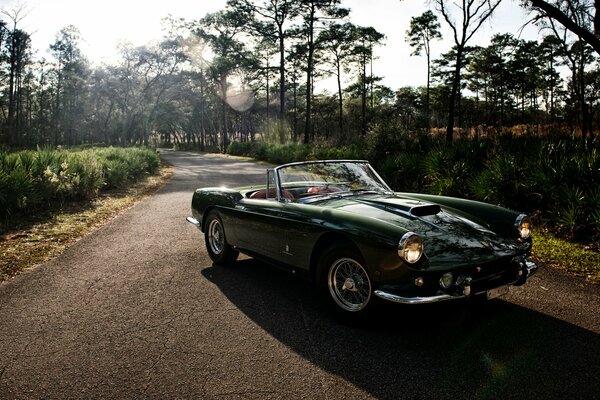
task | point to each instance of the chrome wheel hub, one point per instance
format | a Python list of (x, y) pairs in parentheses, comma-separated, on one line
[(349, 285)]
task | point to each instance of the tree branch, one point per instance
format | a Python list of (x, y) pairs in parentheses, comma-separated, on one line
[(554, 13)]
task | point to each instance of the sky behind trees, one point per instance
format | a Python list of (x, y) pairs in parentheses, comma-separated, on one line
[(104, 24)]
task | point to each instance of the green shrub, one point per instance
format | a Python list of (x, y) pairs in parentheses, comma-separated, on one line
[(85, 173), (18, 190), (240, 148), (30, 180), (500, 181), (569, 209), (116, 173), (449, 170), (406, 172)]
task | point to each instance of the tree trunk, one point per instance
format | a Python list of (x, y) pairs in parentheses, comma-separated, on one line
[(202, 128), (268, 94), (363, 97), (583, 107), (295, 117), (309, 72), (280, 126), (427, 96), (224, 109), (342, 135), (453, 95)]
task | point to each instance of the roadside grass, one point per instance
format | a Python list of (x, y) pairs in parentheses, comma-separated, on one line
[(42, 236), (574, 258)]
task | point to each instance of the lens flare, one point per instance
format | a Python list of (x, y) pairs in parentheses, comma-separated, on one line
[(239, 98)]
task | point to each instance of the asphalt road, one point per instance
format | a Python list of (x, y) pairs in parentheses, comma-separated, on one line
[(136, 310)]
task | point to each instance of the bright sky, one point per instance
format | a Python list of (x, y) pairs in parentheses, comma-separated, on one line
[(104, 23)]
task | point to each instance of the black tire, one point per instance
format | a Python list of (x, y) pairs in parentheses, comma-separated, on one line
[(343, 282), (219, 251)]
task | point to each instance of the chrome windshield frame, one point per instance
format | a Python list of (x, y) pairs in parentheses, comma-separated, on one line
[(277, 170)]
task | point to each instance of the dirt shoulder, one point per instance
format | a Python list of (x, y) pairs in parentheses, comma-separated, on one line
[(38, 238)]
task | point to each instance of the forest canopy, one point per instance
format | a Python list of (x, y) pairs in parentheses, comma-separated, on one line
[(248, 72)]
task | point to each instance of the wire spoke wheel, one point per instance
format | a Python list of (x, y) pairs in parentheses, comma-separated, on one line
[(349, 284), (215, 240), (216, 237)]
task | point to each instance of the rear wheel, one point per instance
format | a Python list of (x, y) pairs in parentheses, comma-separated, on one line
[(344, 283), (216, 243)]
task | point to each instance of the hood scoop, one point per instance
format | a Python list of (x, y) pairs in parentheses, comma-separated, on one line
[(410, 208), (425, 210)]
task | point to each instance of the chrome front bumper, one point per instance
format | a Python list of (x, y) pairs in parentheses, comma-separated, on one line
[(193, 221), (528, 267), (416, 300)]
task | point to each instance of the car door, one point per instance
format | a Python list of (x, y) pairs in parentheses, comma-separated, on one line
[(299, 229), (259, 227)]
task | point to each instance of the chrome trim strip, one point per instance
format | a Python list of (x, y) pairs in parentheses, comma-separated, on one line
[(416, 300), (193, 220), (530, 266)]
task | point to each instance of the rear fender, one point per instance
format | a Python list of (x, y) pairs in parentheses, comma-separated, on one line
[(205, 199)]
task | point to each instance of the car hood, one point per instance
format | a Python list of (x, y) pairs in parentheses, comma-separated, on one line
[(449, 238)]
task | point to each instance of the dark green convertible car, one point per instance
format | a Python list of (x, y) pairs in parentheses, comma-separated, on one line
[(340, 225)]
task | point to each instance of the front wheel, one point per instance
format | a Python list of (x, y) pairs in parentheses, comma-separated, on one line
[(344, 283), (216, 243)]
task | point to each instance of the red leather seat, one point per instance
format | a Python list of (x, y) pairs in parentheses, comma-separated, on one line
[(262, 194), (324, 189)]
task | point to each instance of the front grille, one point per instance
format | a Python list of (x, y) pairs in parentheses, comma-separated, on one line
[(494, 274)]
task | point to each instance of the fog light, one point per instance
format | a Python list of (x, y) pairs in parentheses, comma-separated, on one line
[(523, 225), (419, 281), (446, 280)]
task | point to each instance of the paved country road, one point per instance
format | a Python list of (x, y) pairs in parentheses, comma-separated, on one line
[(136, 310)]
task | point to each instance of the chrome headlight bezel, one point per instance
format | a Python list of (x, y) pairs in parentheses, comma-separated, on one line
[(523, 227), (410, 248)]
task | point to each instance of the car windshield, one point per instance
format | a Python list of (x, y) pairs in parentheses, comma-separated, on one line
[(330, 177)]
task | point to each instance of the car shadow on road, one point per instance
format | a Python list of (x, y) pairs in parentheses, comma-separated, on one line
[(446, 350)]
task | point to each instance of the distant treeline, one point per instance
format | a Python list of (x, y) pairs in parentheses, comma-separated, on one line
[(248, 72)]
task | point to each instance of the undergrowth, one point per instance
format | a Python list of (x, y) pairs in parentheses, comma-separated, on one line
[(32, 180)]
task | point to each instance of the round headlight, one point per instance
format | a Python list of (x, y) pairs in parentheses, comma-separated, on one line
[(410, 248), (523, 225)]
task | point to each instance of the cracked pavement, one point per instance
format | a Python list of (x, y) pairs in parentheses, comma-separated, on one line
[(136, 310)]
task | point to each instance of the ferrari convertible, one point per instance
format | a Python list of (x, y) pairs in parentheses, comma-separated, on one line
[(340, 225)]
